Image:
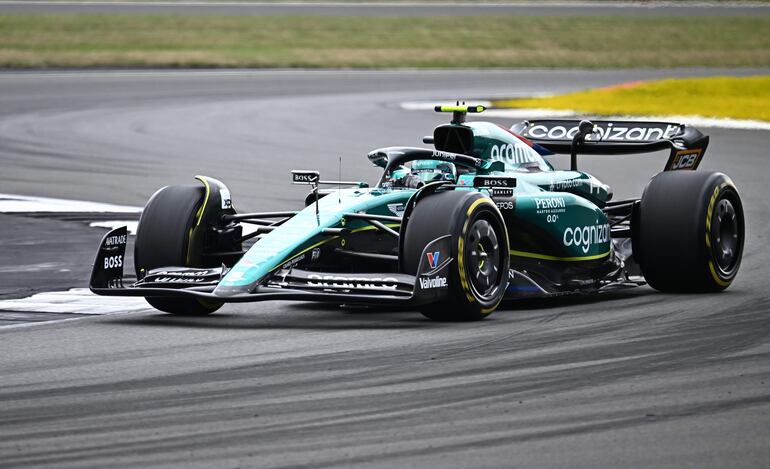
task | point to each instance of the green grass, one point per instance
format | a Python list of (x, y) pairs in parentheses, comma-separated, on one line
[(725, 97), (373, 42)]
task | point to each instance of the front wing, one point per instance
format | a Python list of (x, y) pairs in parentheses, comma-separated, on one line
[(431, 284)]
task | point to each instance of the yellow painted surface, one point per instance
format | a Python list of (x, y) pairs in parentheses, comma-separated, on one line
[(722, 97)]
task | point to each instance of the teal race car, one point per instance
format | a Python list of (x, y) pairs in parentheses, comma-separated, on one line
[(451, 230)]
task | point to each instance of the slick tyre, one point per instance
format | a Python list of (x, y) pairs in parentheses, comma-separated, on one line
[(163, 240), (479, 275), (689, 232)]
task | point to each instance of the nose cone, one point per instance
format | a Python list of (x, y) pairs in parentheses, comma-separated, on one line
[(302, 233)]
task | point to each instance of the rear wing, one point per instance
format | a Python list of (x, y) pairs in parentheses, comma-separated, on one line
[(687, 144)]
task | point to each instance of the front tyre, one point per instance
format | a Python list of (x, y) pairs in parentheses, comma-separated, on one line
[(479, 275), (689, 232), (163, 240)]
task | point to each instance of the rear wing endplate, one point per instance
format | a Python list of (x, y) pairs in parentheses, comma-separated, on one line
[(687, 144)]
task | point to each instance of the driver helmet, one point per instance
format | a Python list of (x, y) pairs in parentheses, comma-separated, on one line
[(431, 171)]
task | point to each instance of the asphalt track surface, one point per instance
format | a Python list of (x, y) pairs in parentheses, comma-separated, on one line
[(634, 379), (685, 9)]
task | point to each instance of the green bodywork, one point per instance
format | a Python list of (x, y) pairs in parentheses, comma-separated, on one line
[(554, 216), (303, 232)]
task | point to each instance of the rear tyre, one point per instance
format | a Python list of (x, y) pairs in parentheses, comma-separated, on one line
[(689, 232), (479, 276), (163, 240)]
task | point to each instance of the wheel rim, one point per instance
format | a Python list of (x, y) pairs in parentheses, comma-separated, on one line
[(483, 254), (725, 233)]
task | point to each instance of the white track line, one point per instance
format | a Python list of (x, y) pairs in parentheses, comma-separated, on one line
[(132, 225), (112, 224), (10, 203), (696, 121), (79, 300), (429, 105), (527, 113), (74, 301)]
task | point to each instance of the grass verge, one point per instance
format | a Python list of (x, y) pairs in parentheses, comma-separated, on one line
[(721, 97), (374, 42)]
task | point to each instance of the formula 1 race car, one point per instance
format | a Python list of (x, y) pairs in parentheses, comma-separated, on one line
[(451, 230)]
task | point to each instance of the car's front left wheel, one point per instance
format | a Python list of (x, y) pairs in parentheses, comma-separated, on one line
[(479, 275), (163, 240)]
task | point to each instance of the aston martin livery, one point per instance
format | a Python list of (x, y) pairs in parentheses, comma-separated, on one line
[(451, 230)]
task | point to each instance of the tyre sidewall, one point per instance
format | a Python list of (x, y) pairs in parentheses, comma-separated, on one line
[(453, 213), (163, 240), (674, 243)]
